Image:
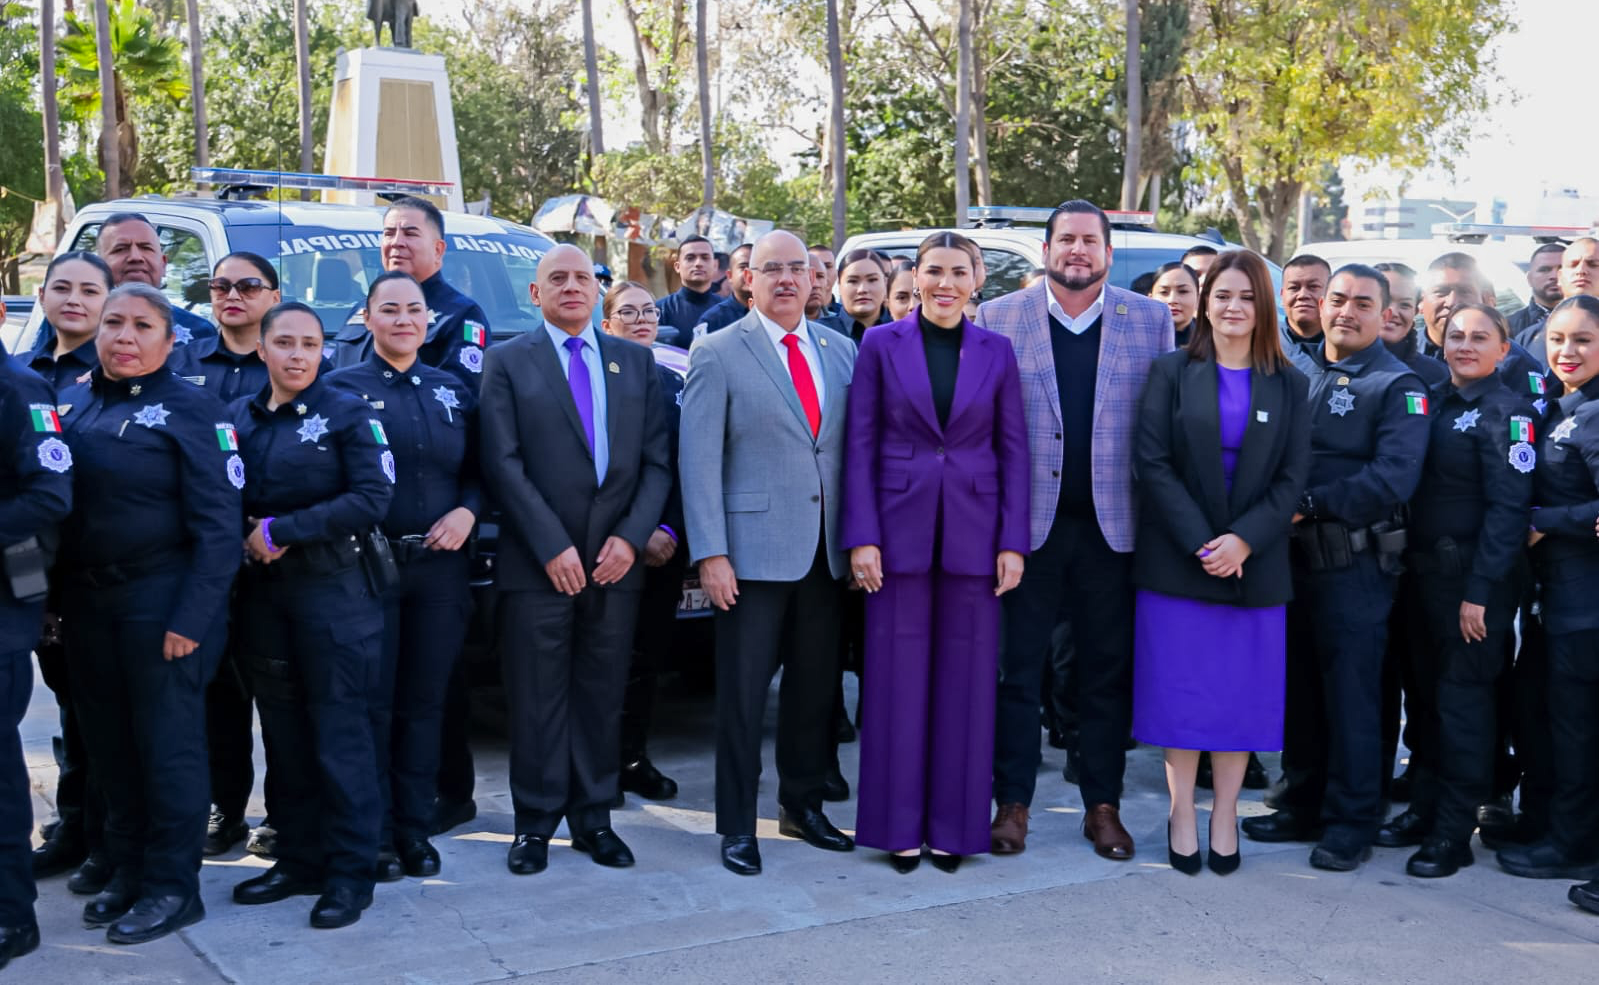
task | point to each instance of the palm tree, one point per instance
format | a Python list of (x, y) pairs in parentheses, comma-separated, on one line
[(202, 133), (963, 111), (703, 71), (835, 72), (1135, 111), (140, 60), (591, 66), (302, 61), (54, 180)]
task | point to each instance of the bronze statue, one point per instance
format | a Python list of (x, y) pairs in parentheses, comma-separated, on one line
[(397, 14)]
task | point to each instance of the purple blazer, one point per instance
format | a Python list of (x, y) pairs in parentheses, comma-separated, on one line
[(898, 462)]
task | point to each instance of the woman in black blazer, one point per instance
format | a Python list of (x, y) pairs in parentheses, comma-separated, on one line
[(1223, 453)]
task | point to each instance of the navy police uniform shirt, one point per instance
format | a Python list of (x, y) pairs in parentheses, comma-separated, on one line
[(1565, 502), (1368, 435), (458, 332), (157, 473), (320, 465), (682, 311), (1521, 374), (225, 374), (430, 420), (672, 395), (1476, 486), (1432, 371), (60, 371), (717, 318), (35, 461), (189, 327)]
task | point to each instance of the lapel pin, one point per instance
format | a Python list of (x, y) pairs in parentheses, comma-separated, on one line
[(1343, 381), (1262, 416), (301, 409), (377, 404), (1121, 309), (135, 389), (63, 409), (613, 367), (823, 342)]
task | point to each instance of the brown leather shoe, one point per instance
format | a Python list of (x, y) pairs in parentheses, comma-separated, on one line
[(1103, 827), (1008, 835)]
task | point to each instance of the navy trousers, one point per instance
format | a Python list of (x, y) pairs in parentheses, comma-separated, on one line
[(19, 627)]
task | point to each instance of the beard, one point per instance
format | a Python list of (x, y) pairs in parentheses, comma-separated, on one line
[(1074, 279)]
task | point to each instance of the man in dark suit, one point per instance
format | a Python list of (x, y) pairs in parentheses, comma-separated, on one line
[(576, 455)]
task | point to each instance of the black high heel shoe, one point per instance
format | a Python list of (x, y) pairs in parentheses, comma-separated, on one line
[(1186, 864), (1224, 865), (946, 863), (904, 864)]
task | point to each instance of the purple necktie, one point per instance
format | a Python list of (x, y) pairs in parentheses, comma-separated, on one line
[(577, 376)]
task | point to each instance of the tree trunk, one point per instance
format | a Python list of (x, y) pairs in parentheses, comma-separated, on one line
[(54, 179), (202, 133), (835, 144), (702, 65), (302, 62), (980, 169), (110, 159), (1135, 111), (648, 100), (591, 65), (963, 112)]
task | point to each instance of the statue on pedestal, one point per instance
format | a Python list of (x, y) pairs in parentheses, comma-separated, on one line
[(397, 14)]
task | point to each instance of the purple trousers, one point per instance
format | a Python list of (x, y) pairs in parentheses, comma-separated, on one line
[(927, 728)]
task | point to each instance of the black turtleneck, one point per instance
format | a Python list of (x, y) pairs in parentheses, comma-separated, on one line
[(943, 349)]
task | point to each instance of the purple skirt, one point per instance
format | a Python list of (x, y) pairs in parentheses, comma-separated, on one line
[(1208, 676)]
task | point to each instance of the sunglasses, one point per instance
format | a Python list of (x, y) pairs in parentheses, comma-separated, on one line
[(248, 288)]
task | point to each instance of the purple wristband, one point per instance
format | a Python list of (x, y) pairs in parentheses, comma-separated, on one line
[(266, 534), (669, 532)]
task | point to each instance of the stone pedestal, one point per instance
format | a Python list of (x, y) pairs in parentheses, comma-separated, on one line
[(392, 118)]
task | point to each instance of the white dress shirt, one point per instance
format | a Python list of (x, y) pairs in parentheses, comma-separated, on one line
[(807, 346), (1078, 325)]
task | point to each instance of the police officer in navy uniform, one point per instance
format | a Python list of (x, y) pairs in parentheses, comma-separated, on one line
[(148, 558), (1467, 536), (458, 331), (430, 419), (1368, 441), (731, 308), (35, 494), (685, 307), (310, 624), (1453, 281), (72, 295), (1565, 552), (130, 244)]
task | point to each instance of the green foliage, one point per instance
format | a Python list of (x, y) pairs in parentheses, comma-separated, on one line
[(22, 165)]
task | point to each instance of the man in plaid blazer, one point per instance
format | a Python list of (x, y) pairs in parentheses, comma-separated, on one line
[(1084, 348)]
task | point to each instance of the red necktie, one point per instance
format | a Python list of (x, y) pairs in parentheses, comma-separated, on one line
[(804, 385)]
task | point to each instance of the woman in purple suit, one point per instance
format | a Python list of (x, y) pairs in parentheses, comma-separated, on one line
[(935, 515)]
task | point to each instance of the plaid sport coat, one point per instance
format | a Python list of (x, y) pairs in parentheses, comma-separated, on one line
[(1134, 330)]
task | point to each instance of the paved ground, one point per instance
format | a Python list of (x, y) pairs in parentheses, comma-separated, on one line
[(1056, 913)]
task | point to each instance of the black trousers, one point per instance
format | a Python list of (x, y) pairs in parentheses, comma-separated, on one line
[(19, 628), (652, 651), (1409, 679), (313, 643), (424, 623), (80, 806), (1530, 728), (1574, 723), (748, 648), (230, 735), (144, 725), (457, 776), (1332, 727), (565, 661), (1073, 577), (1465, 709)]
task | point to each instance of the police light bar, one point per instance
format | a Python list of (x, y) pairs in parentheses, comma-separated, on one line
[(1003, 215), (1476, 232), (302, 180)]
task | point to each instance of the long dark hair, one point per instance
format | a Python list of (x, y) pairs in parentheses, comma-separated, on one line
[(1265, 349)]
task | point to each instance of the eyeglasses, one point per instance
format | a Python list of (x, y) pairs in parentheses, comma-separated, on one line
[(639, 314), (248, 288), (796, 269)]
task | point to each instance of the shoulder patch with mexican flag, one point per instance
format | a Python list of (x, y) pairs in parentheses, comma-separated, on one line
[(227, 437), (476, 334), (378, 433), (1536, 384), (1521, 429), (44, 418), (1415, 403)]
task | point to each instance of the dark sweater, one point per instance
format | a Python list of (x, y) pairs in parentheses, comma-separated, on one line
[(1076, 372), (681, 311), (943, 349)]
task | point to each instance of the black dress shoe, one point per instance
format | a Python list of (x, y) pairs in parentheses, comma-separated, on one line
[(1280, 826), (62, 851), (387, 868), (529, 854), (114, 900), (1255, 777), (1409, 828), (1339, 858), (223, 832), (263, 841), (339, 907), (1518, 833), (1058, 738), (1187, 864), (1585, 896), (1440, 857), (421, 860), (1205, 776), (648, 782), (605, 847), (156, 916), (835, 789), (17, 941), (1399, 788), (449, 814), (1223, 865), (1545, 860), (92, 876), (946, 863), (1497, 813), (272, 886), (740, 855), (904, 864), (813, 827), (1273, 797)]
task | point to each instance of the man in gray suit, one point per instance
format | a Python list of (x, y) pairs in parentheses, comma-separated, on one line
[(762, 444)]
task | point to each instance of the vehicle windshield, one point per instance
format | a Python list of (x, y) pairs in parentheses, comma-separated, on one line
[(329, 270)]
